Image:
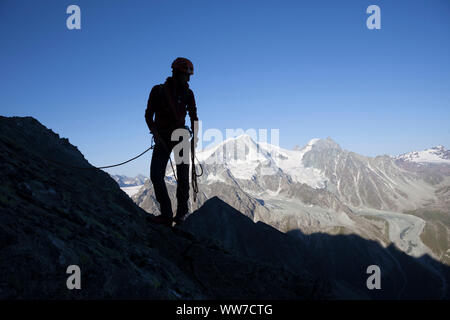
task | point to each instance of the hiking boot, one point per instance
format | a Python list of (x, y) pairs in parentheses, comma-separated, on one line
[(179, 220), (165, 221)]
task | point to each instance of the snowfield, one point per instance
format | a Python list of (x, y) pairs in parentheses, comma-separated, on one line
[(242, 156), (404, 230), (289, 214)]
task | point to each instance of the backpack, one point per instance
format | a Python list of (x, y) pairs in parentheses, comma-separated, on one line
[(164, 92)]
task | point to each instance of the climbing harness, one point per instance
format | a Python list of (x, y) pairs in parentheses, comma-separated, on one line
[(194, 174)]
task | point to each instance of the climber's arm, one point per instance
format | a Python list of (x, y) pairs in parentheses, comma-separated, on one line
[(191, 107), (151, 105), (192, 110)]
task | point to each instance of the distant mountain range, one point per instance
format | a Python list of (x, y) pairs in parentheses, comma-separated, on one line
[(124, 181), (436, 154), (129, 185)]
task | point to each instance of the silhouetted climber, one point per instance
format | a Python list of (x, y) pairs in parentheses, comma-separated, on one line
[(170, 102)]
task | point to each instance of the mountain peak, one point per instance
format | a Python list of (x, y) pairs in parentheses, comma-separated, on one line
[(30, 134), (246, 138), (313, 141), (327, 143), (322, 142)]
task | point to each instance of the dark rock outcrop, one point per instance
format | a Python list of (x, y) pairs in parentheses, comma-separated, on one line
[(54, 214)]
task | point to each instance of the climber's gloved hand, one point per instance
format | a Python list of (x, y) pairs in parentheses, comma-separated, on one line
[(154, 132)]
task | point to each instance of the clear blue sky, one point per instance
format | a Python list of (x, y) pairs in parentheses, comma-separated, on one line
[(310, 68)]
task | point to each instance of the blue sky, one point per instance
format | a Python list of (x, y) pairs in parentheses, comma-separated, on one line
[(309, 68)]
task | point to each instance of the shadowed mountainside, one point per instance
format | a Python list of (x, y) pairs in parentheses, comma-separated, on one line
[(341, 258)]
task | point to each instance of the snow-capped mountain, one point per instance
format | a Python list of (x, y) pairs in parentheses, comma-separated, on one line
[(436, 154), (262, 169), (368, 182), (244, 159)]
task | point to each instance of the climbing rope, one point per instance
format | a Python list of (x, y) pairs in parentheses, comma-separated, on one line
[(152, 146), (167, 150), (104, 167), (193, 172)]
